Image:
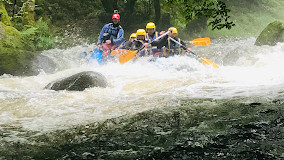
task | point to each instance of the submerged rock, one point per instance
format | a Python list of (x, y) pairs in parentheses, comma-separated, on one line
[(272, 34), (79, 82), (196, 129)]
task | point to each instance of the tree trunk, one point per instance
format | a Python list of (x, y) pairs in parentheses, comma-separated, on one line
[(14, 7), (28, 13), (157, 10), (109, 5), (129, 7)]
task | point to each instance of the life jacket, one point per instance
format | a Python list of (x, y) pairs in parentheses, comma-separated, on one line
[(150, 39), (146, 51), (172, 48), (111, 32)]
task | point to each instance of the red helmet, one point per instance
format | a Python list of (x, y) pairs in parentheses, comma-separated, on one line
[(116, 16)]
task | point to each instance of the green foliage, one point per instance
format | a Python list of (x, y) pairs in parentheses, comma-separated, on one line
[(272, 34), (43, 38), (11, 38), (45, 42), (28, 37), (38, 37), (177, 17), (215, 10), (28, 12), (4, 17), (6, 1), (250, 17)]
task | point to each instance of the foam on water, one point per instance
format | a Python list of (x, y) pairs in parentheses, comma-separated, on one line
[(245, 70)]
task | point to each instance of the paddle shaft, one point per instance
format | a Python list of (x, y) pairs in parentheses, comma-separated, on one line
[(176, 41), (204, 60), (161, 36), (183, 46)]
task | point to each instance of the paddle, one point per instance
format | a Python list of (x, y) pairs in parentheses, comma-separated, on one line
[(204, 60), (126, 55), (130, 54), (196, 42), (118, 52), (201, 41)]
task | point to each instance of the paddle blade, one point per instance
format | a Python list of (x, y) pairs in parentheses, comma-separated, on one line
[(127, 56), (201, 41), (118, 52), (209, 62)]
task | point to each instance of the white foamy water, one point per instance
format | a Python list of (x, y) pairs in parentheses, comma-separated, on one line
[(245, 70)]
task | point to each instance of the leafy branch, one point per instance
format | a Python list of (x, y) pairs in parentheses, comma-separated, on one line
[(215, 10)]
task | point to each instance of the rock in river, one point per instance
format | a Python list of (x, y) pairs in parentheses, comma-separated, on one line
[(79, 82), (272, 34)]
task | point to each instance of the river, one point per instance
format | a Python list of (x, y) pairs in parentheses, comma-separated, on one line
[(247, 89)]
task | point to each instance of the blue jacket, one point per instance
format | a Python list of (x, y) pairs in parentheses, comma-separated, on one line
[(110, 32)]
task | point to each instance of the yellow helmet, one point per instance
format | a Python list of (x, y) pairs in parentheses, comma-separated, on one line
[(150, 25), (133, 35), (173, 29), (141, 32)]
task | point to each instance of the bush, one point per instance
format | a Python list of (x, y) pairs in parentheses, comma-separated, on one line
[(44, 39), (38, 37)]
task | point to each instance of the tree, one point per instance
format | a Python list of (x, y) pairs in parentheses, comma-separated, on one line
[(215, 10), (109, 5), (129, 7), (157, 7), (4, 17), (28, 12)]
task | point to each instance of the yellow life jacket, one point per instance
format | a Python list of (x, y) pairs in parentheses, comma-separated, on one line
[(171, 50), (147, 50)]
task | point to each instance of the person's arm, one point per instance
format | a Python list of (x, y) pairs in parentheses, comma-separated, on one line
[(119, 39), (160, 42), (122, 45), (127, 45), (162, 32), (183, 45), (100, 39), (136, 45)]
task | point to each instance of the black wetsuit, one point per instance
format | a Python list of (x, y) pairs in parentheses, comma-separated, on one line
[(170, 47)]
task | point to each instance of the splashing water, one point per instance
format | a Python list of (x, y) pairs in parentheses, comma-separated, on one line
[(245, 70)]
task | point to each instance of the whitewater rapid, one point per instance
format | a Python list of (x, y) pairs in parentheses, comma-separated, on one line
[(245, 71)]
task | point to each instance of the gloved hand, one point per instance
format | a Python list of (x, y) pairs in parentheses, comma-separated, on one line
[(189, 49), (162, 32), (108, 41)]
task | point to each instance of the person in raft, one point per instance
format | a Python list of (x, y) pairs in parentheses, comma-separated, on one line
[(139, 43), (168, 46), (151, 35), (132, 37), (111, 35)]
